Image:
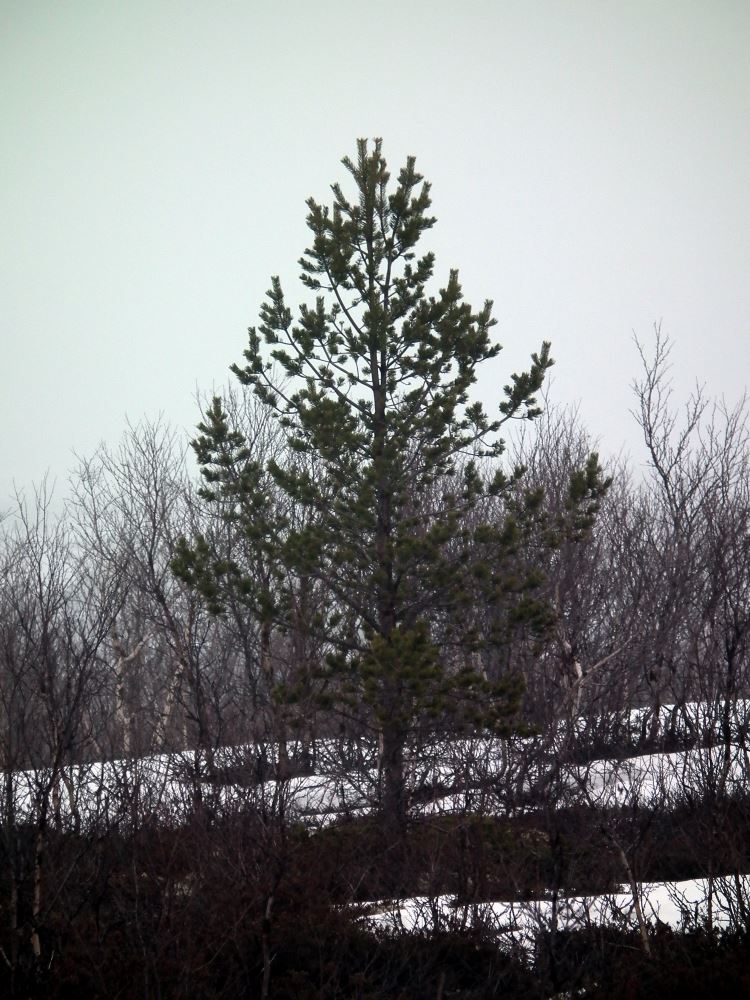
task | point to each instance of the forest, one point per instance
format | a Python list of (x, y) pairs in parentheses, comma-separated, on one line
[(368, 692)]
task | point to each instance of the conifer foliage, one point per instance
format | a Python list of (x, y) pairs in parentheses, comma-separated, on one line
[(395, 467)]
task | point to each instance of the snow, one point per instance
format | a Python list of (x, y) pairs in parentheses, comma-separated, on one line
[(677, 904), (489, 775), (661, 778), (482, 776)]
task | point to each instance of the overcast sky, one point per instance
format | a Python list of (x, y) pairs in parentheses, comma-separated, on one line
[(590, 163)]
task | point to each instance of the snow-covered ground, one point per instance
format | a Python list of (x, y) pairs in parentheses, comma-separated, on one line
[(677, 904), (165, 787), (491, 776), (487, 776), (663, 779)]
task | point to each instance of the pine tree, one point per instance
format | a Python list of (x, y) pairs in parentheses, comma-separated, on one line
[(394, 462)]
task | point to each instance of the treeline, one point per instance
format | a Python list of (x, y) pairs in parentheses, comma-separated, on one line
[(108, 655), (107, 652)]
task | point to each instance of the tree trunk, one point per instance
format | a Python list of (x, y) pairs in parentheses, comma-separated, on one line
[(266, 945), (634, 890), (393, 807), (36, 902)]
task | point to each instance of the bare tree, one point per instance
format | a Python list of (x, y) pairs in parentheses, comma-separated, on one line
[(56, 609)]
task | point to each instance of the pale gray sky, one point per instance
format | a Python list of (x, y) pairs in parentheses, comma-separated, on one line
[(590, 163)]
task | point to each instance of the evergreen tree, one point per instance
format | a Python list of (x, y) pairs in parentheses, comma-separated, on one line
[(394, 463)]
